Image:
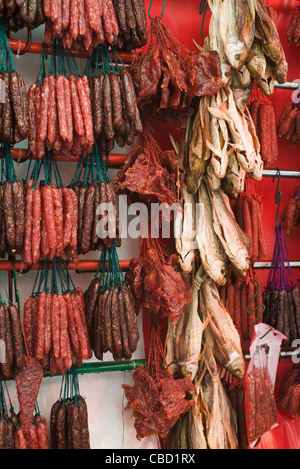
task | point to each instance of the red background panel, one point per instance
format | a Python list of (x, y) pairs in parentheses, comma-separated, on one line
[(184, 21)]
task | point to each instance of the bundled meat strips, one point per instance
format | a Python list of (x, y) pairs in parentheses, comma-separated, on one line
[(157, 284), (288, 126), (166, 81), (156, 399), (60, 115), (291, 213), (19, 14), (51, 222), (149, 174), (55, 328), (84, 24), (14, 126), (293, 32), (12, 341), (290, 392), (114, 107)]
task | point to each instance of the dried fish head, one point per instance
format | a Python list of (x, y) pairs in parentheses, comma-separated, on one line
[(236, 31), (236, 365)]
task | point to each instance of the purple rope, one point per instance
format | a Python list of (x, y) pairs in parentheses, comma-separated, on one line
[(278, 279), (292, 281)]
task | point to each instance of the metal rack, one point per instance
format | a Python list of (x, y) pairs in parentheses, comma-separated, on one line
[(292, 86)]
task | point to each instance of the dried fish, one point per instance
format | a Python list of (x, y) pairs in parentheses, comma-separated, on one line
[(221, 335), (213, 257)]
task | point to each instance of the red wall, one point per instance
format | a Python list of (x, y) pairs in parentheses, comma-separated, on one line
[(184, 21)]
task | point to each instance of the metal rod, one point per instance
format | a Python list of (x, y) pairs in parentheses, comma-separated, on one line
[(286, 173), (18, 46), (22, 155), (268, 264), (106, 367), (291, 354), (287, 86)]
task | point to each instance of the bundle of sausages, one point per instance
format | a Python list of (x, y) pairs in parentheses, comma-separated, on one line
[(281, 296), (283, 312), (263, 116), (84, 24), (132, 21), (111, 312), (98, 211), (291, 213), (19, 14), (115, 111), (11, 340), (51, 222), (293, 32), (243, 300), (12, 218), (55, 329), (248, 210), (288, 126), (13, 436), (290, 392), (91, 237), (69, 424), (60, 116), (36, 437), (81, 23), (13, 108)]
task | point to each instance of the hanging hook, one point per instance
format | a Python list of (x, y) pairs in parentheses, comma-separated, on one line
[(278, 195), (202, 11), (27, 45), (162, 13)]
